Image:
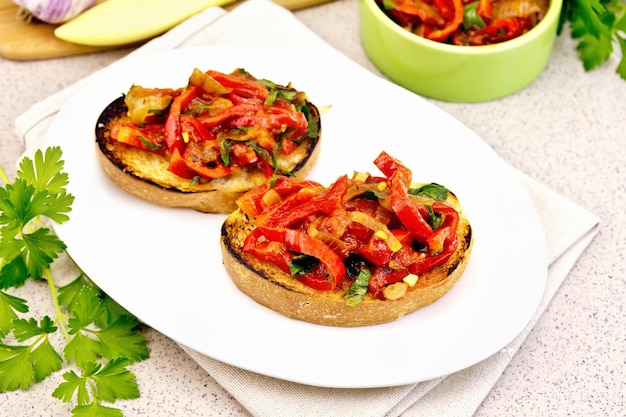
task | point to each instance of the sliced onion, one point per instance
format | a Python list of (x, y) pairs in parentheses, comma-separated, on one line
[(380, 230), (520, 8), (337, 245)]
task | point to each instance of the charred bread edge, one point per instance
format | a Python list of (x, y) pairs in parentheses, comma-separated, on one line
[(214, 201), (319, 307)]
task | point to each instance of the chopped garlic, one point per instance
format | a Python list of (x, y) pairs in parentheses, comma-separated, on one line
[(410, 280), (361, 176), (395, 291)]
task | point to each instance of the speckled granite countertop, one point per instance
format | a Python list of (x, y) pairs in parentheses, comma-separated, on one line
[(566, 130)]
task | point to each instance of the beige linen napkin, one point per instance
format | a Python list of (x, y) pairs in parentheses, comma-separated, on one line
[(568, 229)]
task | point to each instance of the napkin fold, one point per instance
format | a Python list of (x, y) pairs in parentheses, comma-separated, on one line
[(568, 228)]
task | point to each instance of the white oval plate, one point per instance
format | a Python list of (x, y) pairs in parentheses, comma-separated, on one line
[(165, 266)]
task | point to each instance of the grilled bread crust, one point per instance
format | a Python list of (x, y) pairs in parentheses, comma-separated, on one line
[(268, 285), (145, 175)]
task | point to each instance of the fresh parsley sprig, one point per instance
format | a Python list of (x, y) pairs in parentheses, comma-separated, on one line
[(101, 339), (598, 25)]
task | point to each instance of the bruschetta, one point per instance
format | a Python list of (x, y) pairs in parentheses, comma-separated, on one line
[(203, 145), (365, 250)]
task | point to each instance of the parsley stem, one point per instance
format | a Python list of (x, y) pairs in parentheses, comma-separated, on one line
[(94, 390), (3, 176), (60, 317)]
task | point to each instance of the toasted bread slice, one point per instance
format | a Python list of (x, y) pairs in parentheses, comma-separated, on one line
[(268, 285), (145, 174)]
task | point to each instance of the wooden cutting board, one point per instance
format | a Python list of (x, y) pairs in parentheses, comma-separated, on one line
[(21, 41)]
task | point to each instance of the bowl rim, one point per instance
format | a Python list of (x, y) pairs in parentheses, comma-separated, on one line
[(552, 15)]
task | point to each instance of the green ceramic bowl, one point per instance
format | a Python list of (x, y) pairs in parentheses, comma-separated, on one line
[(456, 73)]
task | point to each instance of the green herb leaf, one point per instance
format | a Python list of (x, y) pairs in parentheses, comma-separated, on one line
[(68, 294), (45, 360), (148, 144), (73, 383), (114, 381), (435, 218), (271, 98), (119, 340), (271, 85), (434, 191), (302, 264), (225, 151), (25, 329), (15, 206), (287, 94), (82, 349), (41, 248), (471, 16), (37, 191), (49, 196), (9, 305), (45, 172), (16, 371), (14, 272), (312, 130), (86, 309), (358, 289), (110, 382), (598, 24), (111, 311), (95, 409)]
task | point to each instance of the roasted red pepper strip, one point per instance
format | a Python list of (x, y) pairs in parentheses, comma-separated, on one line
[(376, 251), (148, 138), (179, 167), (273, 120), (442, 34), (292, 211), (484, 10), (238, 110), (317, 278), (211, 168), (408, 12), (241, 86), (268, 251), (242, 155), (381, 278), (499, 30), (278, 254), (173, 130), (446, 8), (447, 230), (251, 202), (407, 211), (191, 124), (300, 242)]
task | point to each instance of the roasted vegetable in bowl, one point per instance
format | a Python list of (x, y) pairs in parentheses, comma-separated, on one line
[(466, 22)]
